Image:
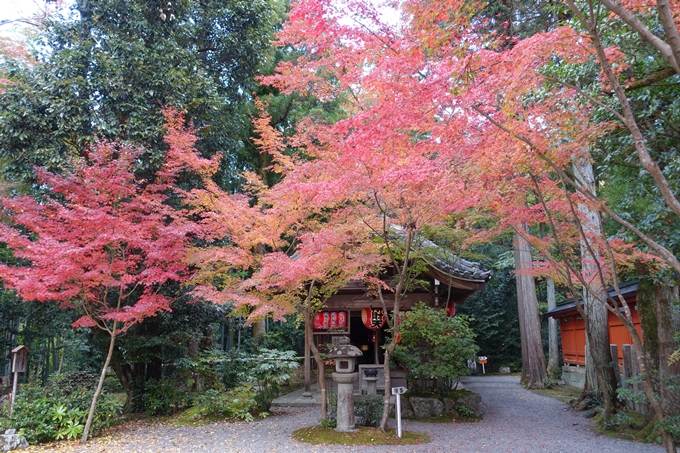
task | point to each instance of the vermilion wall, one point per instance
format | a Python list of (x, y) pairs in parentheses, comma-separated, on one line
[(573, 333), (572, 328)]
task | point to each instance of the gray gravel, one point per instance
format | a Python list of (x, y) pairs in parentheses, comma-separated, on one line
[(515, 420)]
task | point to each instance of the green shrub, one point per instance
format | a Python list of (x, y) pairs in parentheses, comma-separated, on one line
[(165, 397), (368, 410), (48, 413), (267, 370), (464, 410), (237, 403), (434, 348)]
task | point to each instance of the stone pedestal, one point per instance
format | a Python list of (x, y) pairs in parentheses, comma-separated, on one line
[(345, 383), (371, 385)]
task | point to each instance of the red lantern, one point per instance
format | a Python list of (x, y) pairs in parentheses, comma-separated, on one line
[(321, 321), (451, 309), (330, 320), (373, 318)]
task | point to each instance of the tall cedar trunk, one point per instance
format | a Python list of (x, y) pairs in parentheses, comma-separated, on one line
[(98, 391), (660, 319), (553, 342), (259, 329), (599, 370), (668, 323), (533, 359)]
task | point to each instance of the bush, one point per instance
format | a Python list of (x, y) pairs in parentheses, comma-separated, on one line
[(237, 403), (434, 348), (165, 397), (368, 410), (48, 413), (267, 370)]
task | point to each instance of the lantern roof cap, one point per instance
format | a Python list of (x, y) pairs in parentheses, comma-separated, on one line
[(344, 349)]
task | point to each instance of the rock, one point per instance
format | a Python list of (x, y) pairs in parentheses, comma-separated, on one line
[(427, 407), (11, 441), (473, 401), (504, 370), (449, 404)]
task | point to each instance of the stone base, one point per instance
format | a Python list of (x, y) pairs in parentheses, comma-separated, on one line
[(419, 407), (12, 441), (574, 375)]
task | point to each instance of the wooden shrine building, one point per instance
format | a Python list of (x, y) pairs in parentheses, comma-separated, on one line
[(573, 334), (354, 312)]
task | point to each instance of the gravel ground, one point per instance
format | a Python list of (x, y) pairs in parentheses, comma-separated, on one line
[(515, 420)]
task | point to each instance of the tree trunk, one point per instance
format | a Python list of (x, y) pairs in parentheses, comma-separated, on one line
[(307, 364), (320, 366), (660, 319), (97, 392), (388, 380), (553, 343), (668, 324), (259, 329), (599, 371), (533, 359), (125, 377)]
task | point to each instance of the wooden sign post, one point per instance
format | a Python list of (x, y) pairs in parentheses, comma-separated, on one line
[(483, 360), (19, 355)]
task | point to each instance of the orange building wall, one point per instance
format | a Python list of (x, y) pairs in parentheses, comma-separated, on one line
[(573, 330), (573, 333)]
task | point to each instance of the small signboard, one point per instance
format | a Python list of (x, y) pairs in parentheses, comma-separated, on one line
[(482, 359), (19, 356)]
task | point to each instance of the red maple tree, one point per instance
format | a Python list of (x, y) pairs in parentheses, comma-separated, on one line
[(433, 84), (101, 242)]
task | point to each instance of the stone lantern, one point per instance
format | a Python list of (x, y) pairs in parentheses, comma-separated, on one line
[(345, 362)]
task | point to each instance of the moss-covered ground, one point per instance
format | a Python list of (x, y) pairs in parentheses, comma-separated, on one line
[(318, 435)]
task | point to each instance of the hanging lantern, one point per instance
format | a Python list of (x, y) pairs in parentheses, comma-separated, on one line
[(330, 320), (373, 318), (321, 321), (451, 309), (342, 320)]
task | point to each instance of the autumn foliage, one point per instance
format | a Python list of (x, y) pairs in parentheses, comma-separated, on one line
[(101, 242)]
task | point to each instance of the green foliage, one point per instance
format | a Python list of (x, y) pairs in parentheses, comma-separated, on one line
[(464, 410), (50, 413), (238, 403), (368, 410), (108, 68), (630, 393), (494, 319), (434, 347), (672, 425), (285, 335), (267, 370), (165, 397), (171, 346)]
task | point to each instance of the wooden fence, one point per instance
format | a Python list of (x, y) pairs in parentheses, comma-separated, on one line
[(629, 369)]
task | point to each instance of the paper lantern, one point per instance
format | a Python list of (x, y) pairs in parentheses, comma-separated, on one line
[(373, 318), (342, 320), (321, 321)]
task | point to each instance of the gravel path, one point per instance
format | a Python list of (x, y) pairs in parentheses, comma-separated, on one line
[(515, 420)]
